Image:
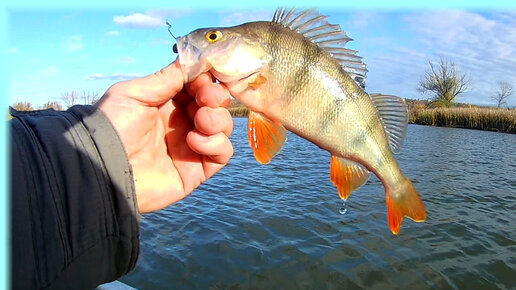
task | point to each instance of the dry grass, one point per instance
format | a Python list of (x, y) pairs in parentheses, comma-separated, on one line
[(480, 118), (491, 119), (237, 110)]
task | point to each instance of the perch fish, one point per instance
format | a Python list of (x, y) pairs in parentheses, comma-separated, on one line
[(295, 73)]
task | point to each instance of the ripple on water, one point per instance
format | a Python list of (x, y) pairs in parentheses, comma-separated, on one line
[(279, 226)]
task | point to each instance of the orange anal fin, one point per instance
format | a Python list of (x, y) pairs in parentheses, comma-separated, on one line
[(265, 137), (403, 202), (347, 175), (260, 80)]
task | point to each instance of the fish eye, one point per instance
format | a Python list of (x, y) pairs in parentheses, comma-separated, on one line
[(213, 36)]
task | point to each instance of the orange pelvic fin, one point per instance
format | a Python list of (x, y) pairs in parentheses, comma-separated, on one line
[(403, 201), (347, 175), (265, 137), (260, 80)]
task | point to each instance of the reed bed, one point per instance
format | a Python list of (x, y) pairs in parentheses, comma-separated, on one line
[(238, 111), (480, 118), (490, 119)]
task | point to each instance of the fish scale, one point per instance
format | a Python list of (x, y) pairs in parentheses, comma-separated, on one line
[(322, 98), (294, 73), (294, 70)]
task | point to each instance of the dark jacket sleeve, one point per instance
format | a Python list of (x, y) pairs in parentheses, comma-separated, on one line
[(74, 218)]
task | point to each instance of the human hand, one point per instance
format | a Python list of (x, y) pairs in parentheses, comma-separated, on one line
[(176, 136)]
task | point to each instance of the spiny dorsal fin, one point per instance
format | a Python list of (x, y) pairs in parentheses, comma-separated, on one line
[(330, 37), (394, 114)]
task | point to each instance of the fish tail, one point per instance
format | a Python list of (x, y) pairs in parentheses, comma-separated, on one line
[(401, 201)]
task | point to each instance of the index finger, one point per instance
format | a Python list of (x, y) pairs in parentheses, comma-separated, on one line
[(190, 89), (212, 95), (201, 80)]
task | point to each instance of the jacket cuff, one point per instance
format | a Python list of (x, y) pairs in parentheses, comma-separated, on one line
[(119, 171), (75, 219)]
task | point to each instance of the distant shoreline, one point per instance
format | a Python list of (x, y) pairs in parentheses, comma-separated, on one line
[(478, 118), (420, 113), (486, 119)]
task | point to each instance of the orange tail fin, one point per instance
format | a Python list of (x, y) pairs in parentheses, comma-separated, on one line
[(403, 201)]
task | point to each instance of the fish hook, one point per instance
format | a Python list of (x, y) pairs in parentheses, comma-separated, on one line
[(169, 27), (174, 48)]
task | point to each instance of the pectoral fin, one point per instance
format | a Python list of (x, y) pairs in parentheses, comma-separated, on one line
[(266, 137), (347, 175), (260, 80)]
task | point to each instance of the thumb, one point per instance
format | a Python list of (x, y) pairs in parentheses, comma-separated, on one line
[(154, 89)]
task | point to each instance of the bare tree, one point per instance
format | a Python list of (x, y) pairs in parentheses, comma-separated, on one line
[(502, 94), (70, 98), (444, 82), (90, 97), (23, 106), (52, 105)]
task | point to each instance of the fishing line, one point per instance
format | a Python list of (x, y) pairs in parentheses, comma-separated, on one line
[(169, 27), (174, 48)]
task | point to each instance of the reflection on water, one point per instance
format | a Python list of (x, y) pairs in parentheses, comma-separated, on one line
[(280, 225)]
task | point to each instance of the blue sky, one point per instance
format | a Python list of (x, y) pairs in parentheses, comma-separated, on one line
[(51, 52)]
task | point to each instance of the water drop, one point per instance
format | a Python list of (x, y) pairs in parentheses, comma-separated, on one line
[(343, 209)]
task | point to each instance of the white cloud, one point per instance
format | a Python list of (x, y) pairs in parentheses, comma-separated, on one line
[(34, 61), (49, 71), (230, 18), (12, 50), (152, 18), (362, 20), (73, 43), (113, 77), (139, 20), (163, 42), (173, 14), (396, 71), (113, 33), (127, 59), (469, 37), (483, 46)]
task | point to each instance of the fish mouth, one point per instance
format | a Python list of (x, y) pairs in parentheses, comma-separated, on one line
[(193, 63), (227, 79), (190, 59)]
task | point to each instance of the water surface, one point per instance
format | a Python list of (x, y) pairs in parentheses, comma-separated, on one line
[(279, 226)]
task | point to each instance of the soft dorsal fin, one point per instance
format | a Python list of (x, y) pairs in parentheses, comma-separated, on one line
[(329, 37), (347, 175), (394, 114), (265, 137)]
